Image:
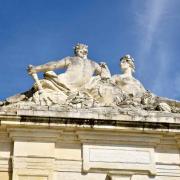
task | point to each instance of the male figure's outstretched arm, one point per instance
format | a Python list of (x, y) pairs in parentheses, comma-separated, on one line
[(60, 64)]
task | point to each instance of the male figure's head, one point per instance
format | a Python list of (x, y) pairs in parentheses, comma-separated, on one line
[(81, 50)]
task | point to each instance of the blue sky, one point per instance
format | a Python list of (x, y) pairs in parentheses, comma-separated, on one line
[(38, 31)]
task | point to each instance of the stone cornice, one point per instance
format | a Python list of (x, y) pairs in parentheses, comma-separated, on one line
[(100, 118)]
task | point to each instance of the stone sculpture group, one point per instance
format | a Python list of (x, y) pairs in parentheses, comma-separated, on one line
[(86, 84)]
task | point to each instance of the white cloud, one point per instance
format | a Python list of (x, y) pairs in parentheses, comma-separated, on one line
[(153, 49), (177, 86), (162, 80), (149, 20)]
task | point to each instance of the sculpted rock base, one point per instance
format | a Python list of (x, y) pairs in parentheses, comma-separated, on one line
[(48, 97)]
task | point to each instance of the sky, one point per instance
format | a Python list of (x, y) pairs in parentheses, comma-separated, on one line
[(38, 31)]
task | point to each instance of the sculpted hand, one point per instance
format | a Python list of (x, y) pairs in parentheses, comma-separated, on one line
[(44, 99), (31, 69), (102, 64), (105, 73)]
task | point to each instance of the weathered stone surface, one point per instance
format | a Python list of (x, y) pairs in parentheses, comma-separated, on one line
[(87, 84), (69, 147), (86, 125)]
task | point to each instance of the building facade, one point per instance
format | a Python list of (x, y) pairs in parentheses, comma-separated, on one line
[(89, 144), (85, 124)]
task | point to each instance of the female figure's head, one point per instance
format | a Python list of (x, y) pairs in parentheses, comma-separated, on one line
[(127, 64)]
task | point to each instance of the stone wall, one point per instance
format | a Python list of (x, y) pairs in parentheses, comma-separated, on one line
[(82, 145)]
